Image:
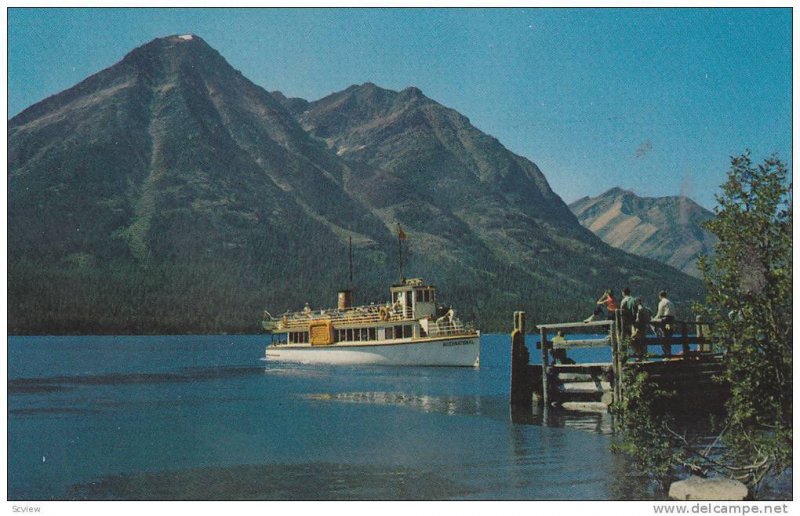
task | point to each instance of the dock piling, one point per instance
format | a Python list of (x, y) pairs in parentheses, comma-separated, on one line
[(522, 378), (545, 368)]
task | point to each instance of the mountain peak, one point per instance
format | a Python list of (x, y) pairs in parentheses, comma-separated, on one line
[(668, 229), (615, 192), (412, 91), (177, 45)]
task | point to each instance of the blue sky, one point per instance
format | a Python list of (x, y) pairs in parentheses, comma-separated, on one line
[(652, 100)]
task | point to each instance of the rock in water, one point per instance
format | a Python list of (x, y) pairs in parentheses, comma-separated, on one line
[(697, 488)]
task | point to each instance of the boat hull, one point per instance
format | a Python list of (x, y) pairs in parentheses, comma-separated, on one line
[(456, 351)]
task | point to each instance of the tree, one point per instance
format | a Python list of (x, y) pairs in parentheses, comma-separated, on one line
[(749, 299)]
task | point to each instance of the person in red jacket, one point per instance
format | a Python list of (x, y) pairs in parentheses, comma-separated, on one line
[(607, 300)]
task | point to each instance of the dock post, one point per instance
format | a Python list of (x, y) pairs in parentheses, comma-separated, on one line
[(521, 384), (612, 335), (703, 334), (545, 372), (618, 359), (685, 342)]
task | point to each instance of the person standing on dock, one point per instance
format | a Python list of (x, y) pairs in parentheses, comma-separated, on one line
[(628, 310), (662, 322)]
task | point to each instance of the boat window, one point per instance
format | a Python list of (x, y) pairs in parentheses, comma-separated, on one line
[(298, 337), (389, 332), (398, 332), (419, 296), (372, 334), (349, 334), (357, 334)]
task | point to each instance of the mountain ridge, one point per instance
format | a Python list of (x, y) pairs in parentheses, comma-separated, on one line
[(168, 193), (668, 229)]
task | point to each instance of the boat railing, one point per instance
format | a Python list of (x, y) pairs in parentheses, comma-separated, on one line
[(454, 327), (357, 315)]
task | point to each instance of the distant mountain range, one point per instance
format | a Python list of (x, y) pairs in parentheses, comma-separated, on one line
[(667, 229), (168, 193)]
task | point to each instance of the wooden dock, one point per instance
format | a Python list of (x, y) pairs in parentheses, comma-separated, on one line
[(692, 374)]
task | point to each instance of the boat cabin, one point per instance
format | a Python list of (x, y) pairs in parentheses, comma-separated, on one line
[(414, 299)]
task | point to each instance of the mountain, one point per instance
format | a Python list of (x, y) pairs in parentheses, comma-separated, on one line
[(667, 229), (168, 193)]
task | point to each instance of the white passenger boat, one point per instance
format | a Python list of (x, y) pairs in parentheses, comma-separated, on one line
[(410, 330)]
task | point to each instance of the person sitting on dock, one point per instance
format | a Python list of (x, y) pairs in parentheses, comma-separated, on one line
[(560, 356), (559, 339), (663, 321), (607, 300)]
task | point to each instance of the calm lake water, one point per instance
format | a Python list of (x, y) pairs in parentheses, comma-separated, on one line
[(203, 417)]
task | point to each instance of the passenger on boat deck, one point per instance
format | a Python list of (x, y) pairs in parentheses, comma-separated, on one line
[(559, 338), (306, 309), (450, 316)]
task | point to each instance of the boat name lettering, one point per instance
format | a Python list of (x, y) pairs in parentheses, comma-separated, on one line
[(457, 343)]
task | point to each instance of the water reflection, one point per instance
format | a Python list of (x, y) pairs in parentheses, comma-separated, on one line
[(585, 417), (451, 405)]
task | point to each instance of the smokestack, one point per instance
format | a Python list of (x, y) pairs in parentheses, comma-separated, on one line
[(345, 299)]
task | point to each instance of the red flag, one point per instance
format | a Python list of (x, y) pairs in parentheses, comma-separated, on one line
[(400, 233)]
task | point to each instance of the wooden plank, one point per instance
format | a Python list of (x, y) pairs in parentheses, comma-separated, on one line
[(559, 326), (567, 397), (585, 387), (583, 343), (576, 377), (587, 365)]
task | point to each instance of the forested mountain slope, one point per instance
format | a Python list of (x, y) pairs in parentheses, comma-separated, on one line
[(168, 193)]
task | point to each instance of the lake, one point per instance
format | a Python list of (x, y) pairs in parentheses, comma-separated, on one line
[(204, 417)]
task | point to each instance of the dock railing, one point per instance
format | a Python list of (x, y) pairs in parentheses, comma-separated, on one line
[(693, 336)]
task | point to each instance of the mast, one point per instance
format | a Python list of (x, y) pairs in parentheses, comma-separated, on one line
[(400, 237), (350, 284)]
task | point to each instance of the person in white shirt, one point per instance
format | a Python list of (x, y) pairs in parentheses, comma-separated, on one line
[(663, 320)]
